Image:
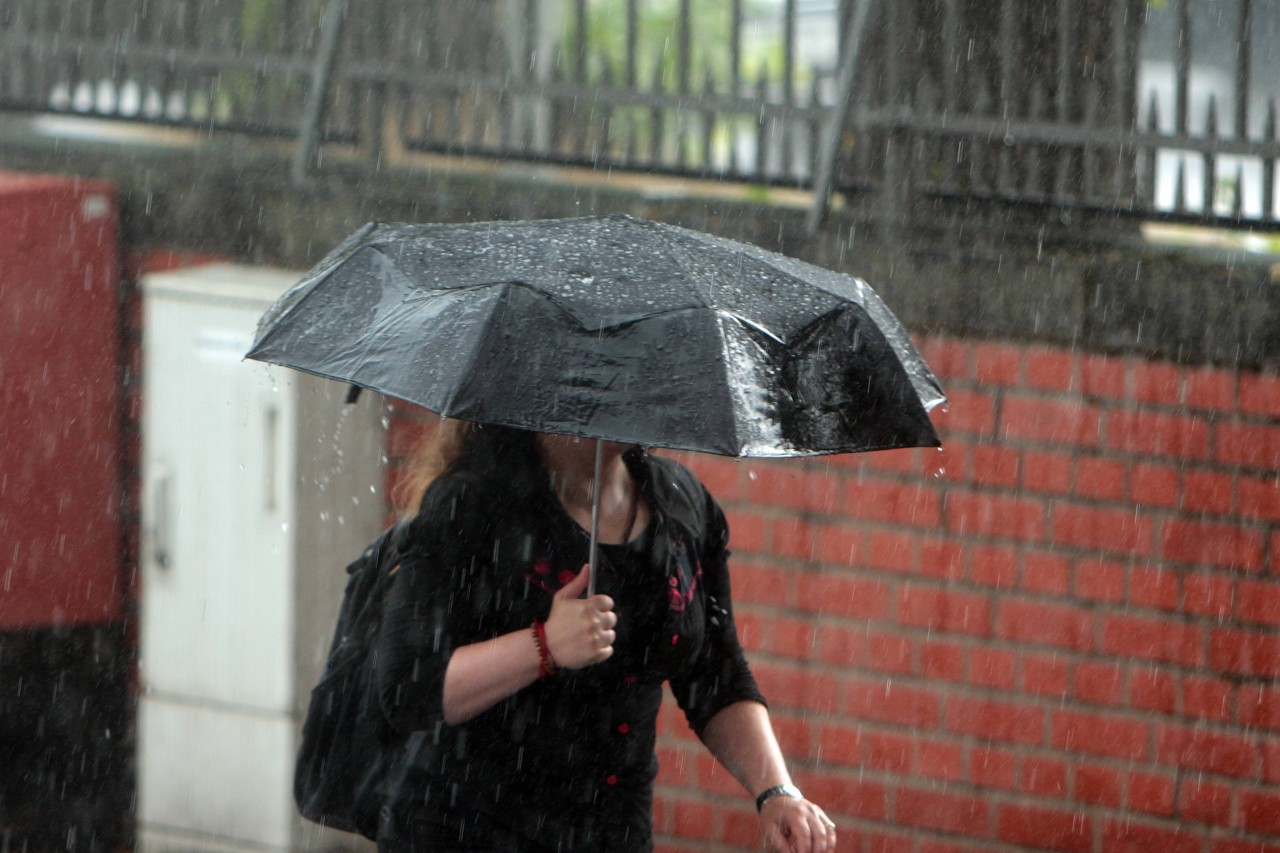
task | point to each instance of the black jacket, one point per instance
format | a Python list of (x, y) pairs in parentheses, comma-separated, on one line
[(568, 761)]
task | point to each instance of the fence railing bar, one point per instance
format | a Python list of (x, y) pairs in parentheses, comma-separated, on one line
[(684, 42), (631, 34), (317, 97), (1269, 163), (825, 166), (1008, 56), (951, 75), (1244, 51), (1209, 178), (1182, 71)]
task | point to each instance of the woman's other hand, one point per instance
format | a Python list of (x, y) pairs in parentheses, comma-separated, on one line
[(580, 630), (792, 825)]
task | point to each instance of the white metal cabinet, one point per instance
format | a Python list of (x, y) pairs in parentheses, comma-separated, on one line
[(258, 485)]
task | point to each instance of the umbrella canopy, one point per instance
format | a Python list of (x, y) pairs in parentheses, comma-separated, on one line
[(610, 327)]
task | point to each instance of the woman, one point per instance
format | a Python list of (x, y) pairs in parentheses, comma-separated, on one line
[(525, 711)]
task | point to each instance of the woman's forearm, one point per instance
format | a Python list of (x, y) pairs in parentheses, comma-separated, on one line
[(482, 674), (741, 738)]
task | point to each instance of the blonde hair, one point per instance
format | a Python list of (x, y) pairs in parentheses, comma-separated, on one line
[(435, 451)]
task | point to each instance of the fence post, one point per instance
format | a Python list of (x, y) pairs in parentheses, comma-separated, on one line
[(318, 93), (829, 148)]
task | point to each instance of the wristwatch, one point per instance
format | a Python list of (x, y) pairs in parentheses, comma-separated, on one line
[(777, 791)]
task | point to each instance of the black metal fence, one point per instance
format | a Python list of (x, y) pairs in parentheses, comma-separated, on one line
[(1113, 104)]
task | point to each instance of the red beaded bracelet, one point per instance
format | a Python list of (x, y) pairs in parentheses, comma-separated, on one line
[(546, 663)]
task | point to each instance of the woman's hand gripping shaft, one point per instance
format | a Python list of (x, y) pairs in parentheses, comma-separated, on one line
[(580, 630)]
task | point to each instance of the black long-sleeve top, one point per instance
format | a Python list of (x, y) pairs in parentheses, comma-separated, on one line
[(568, 761)]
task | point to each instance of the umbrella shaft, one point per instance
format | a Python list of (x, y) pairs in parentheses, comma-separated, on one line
[(595, 521)]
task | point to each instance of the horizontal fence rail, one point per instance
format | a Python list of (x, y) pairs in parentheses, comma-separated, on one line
[(1109, 104)]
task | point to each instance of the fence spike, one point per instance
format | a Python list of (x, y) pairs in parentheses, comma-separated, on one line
[(1237, 197), (1211, 118), (1179, 187)]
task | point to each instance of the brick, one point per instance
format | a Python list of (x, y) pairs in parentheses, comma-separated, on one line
[(1045, 675), (1049, 369), (1245, 653), (1208, 492), (1097, 785), (884, 702), (1260, 497), (761, 584), (943, 610), (941, 559), (1044, 624), (796, 488), (896, 503), (890, 653), (892, 552), (1153, 690), (1211, 388), (1107, 530), (841, 646), (1258, 601), (693, 819), (793, 638), (949, 358), (1206, 594), (986, 514), (993, 566), (1049, 421), (1229, 845), (1044, 829), (1154, 434), (1047, 472), (1100, 734), (794, 537), (997, 364), (839, 544), (842, 744), (722, 477), (1155, 587), (1168, 640), (1260, 394), (1045, 777), (1129, 836), (831, 593), (994, 668), (1157, 382), (1260, 706), (1046, 573), (995, 720), (739, 828), (943, 812), (1101, 479), (887, 752), (1260, 811), (748, 531), (1154, 484), (905, 460), (1198, 748), (1215, 544), (789, 687), (1102, 376), (1151, 793), (939, 760), (1101, 580), (968, 412), (1203, 801), (1208, 698), (943, 661), (1252, 445), (1099, 683), (995, 466), (841, 795), (1270, 759), (948, 464), (992, 767)]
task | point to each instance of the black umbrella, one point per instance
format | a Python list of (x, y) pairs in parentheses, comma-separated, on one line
[(610, 328)]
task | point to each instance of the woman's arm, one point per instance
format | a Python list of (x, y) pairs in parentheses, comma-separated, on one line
[(741, 739), (579, 633)]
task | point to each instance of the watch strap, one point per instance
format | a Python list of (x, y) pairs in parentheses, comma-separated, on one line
[(777, 791)]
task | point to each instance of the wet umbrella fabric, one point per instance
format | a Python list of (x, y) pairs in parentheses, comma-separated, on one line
[(610, 327)]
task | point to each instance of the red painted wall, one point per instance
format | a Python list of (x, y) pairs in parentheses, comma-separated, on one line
[(59, 402), (1059, 633)]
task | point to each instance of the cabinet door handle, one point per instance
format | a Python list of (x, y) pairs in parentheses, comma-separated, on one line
[(162, 520), (271, 456)]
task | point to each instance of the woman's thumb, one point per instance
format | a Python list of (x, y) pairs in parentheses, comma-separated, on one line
[(577, 586)]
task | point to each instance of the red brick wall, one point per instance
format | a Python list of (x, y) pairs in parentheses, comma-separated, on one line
[(1058, 633)]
